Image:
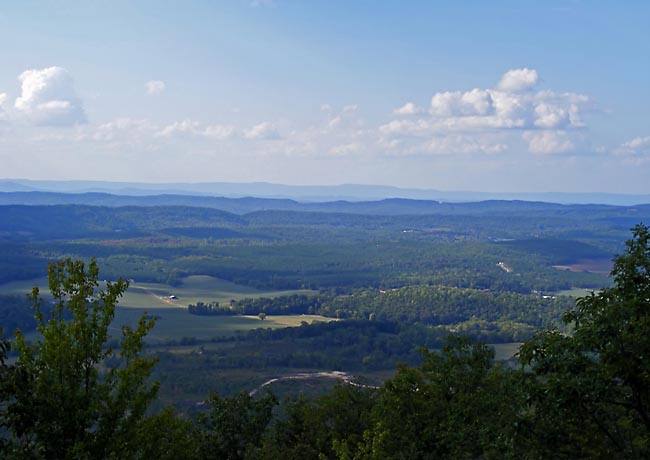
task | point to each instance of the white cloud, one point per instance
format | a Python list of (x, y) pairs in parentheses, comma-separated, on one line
[(409, 109), (181, 127), (195, 128), (219, 132), (463, 144), (638, 143), (449, 104), (518, 80), (551, 116), (48, 98), (547, 142), (154, 87), (121, 130), (389, 144), (639, 146), (262, 131), (334, 122), (4, 114), (345, 118), (512, 107)]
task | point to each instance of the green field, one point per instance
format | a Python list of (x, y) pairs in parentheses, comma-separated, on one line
[(173, 321), (505, 351), (575, 292), (176, 323), (192, 290), (157, 295)]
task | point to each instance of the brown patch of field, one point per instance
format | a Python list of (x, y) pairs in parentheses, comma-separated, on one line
[(598, 266)]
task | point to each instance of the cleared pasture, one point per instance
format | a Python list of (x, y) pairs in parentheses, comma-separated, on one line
[(505, 351), (157, 295), (576, 292), (173, 322), (177, 324)]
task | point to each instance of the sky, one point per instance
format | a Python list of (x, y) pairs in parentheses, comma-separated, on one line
[(500, 96)]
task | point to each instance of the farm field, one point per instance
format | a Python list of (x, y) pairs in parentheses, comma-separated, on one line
[(575, 292), (193, 289), (173, 322), (601, 266), (176, 324), (505, 351), (157, 295)]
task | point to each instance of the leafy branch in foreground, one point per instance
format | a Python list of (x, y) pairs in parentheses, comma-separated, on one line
[(60, 400), (597, 381)]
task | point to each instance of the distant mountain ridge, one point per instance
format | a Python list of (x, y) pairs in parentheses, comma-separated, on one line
[(246, 205), (307, 193)]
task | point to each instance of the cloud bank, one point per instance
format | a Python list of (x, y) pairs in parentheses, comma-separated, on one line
[(513, 116)]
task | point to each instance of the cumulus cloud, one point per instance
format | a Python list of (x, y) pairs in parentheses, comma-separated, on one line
[(548, 142), (518, 80), (512, 106), (262, 131), (474, 102), (48, 98), (409, 109), (154, 87)]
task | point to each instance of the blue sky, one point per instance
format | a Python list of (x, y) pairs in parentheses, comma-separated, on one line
[(502, 96)]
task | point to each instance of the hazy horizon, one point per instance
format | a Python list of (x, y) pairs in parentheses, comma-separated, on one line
[(495, 98)]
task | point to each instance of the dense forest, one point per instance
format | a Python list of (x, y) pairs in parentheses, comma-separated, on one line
[(573, 396), (416, 308)]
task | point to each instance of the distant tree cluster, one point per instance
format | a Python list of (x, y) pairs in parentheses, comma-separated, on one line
[(208, 309)]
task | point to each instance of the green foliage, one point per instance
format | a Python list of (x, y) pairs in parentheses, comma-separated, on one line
[(455, 245), (233, 426), (485, 315), (312, 428), (208, 309), (16, 312), (597, 381), (455, 406), (60, 402)]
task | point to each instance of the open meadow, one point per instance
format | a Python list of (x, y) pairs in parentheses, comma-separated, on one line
[(173, 322)]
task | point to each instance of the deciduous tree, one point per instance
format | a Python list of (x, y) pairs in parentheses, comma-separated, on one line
[(596, 381), (62, 400)]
